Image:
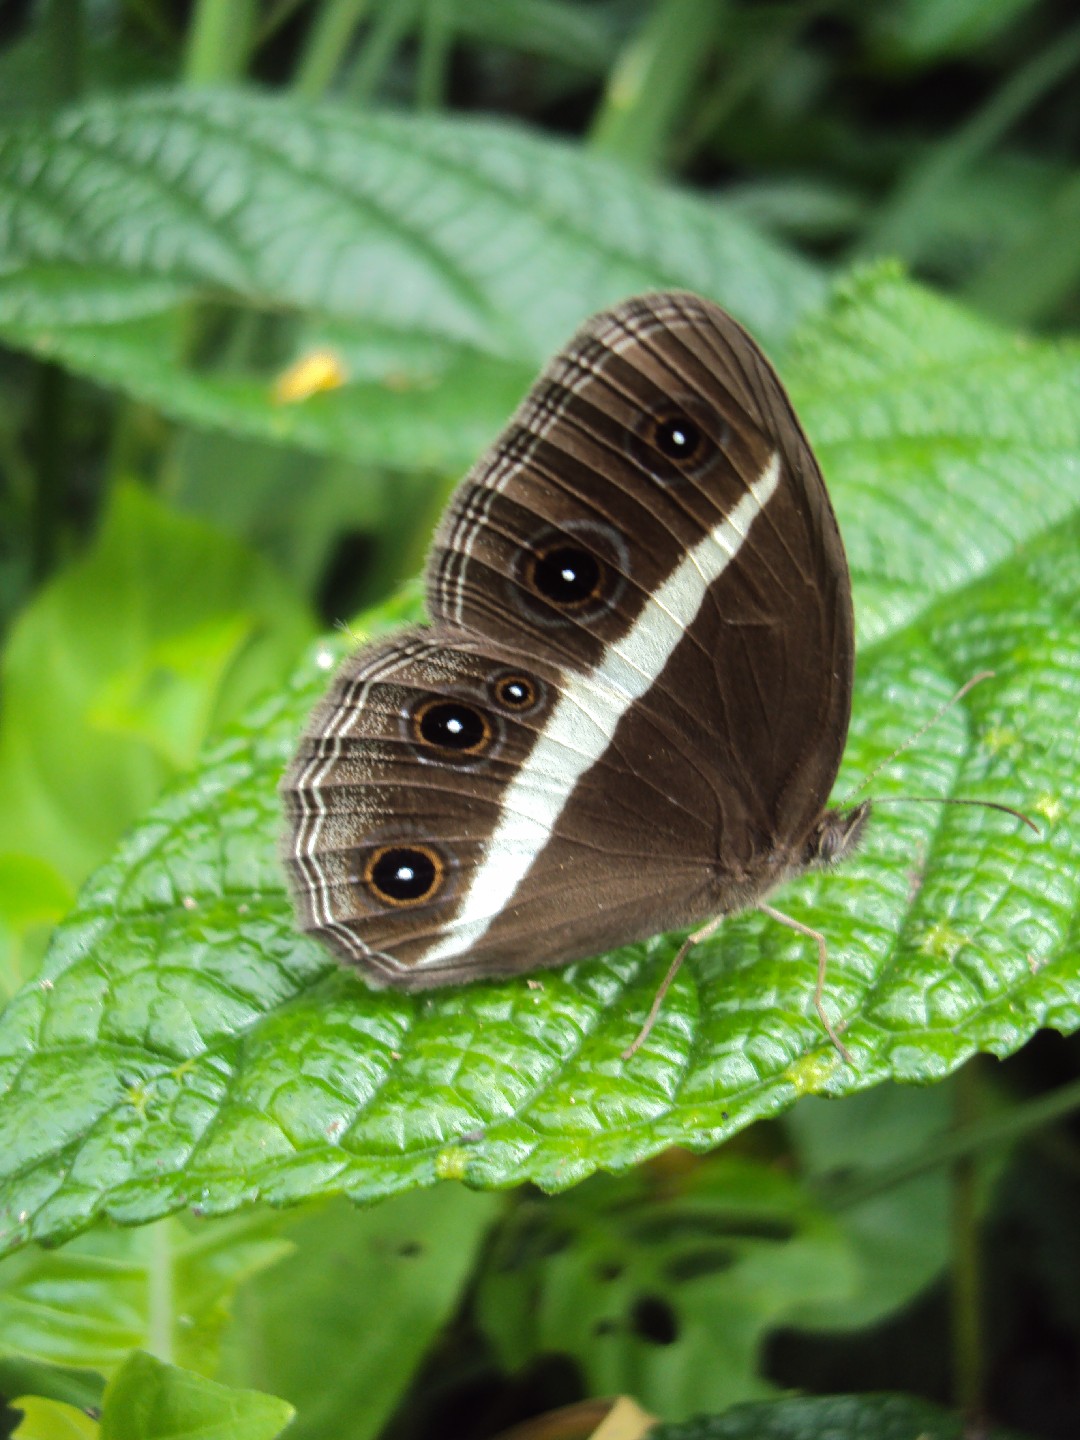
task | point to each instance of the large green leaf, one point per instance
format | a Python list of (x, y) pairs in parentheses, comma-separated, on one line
[(185, 1046), (369, 1290), (441, 259), (115, 674)]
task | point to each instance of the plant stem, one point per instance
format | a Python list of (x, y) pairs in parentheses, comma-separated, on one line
[(901, 224), (653, 79), (971, 1140), (327, 44), (220, 40), (391, 23), (966, 1269), (50, 426), (65, 41), (436, 35)]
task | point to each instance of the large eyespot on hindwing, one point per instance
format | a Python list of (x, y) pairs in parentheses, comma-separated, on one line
[(680, 440), (450, 729), (403, 875), (577, 572)]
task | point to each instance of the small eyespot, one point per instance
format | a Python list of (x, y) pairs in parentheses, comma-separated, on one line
[(567, 575), (679, 441), (515, 692), (678, 438), (403, 875), (453, 726)]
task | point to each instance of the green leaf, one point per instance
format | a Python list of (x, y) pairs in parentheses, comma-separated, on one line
[(663, 1286), (442, 259), (899, 1238), (107, 1292), (148, 1400), (52, 1420), (119, 668), (835, 1417), (415, 1253), (184, 1046), (67, 1384)]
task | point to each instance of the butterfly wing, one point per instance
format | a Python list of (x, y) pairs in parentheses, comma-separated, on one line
[(648, 550)]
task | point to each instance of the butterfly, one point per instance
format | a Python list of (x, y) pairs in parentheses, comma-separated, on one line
[(629, 708)]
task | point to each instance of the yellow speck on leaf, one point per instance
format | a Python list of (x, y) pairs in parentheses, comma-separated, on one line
[(314, 372)]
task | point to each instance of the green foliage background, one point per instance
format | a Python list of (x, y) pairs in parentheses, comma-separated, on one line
[(189, 203)]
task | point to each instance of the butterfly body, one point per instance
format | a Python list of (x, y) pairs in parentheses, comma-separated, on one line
[(629, 709)]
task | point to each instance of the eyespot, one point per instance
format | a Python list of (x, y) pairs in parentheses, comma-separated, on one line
[(451, 726), (575, 571), (515, 691), (403, 875), (680, 440), (567, 575)]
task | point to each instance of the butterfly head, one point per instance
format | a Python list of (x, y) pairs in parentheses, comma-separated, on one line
[(836, 835)]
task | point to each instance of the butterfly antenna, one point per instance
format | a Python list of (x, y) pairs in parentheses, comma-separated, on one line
[(913, 739), (958, 800)]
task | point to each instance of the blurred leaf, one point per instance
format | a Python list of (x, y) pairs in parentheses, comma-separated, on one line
[(68, 1384), (52, 1420), (119, 668), (368, 1290), (442, 258), (663, 1291), (581, 37), (836, 1417), (33, 897), (900, 1238), (186, 1046), (88, 1305), (918, 32), (1029, 280), (148, 1400)]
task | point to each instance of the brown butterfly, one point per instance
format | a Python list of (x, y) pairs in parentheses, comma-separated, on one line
[(629, 709)]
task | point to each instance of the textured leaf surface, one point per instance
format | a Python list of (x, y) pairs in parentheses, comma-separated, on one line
[(442, 260), (185, 1047), (836, 1417)]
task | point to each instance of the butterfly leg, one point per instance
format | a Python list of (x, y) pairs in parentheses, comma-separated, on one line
[(665, 984), (831, 1030)]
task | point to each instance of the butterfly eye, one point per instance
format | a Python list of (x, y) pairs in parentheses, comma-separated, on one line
[(453, 727), (402, 875), (515, 692), (567, 575)]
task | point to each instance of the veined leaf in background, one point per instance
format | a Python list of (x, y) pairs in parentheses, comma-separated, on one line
[(440, 259)]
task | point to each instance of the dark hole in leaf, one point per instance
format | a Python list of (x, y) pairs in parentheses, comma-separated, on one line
[(695, 1263), (672, 1229), (410, 1248), (654, 1320)]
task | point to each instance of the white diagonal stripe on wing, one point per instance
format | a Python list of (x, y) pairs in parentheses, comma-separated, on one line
[(628, 669)]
